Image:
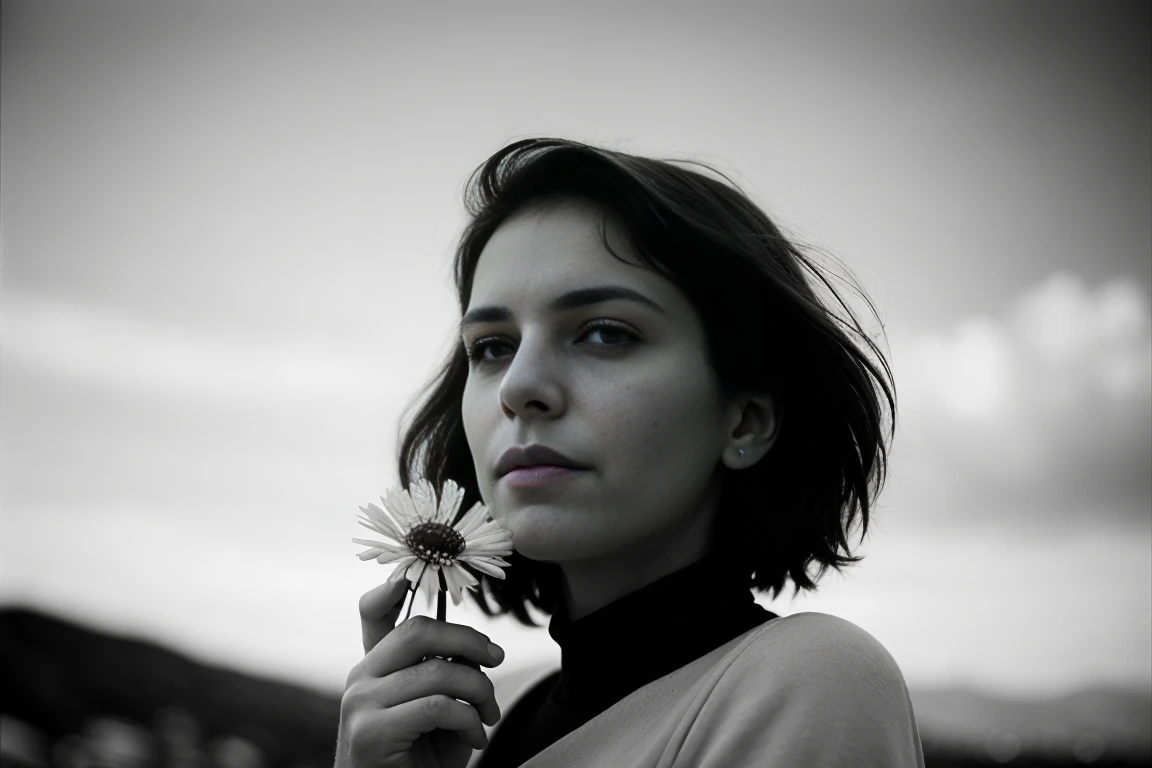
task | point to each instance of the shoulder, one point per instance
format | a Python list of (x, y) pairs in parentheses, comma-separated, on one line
[(817, 627), (815, 670), (808, 689), (813, 645)]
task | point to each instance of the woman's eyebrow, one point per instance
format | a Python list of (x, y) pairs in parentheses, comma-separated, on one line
[(581, 297)]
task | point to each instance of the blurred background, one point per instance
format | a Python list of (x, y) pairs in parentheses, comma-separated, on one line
[(227, 234)]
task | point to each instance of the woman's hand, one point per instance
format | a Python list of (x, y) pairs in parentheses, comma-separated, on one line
[(400, 710)]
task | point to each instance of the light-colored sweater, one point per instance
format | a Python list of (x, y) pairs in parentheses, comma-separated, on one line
[(800, 691)]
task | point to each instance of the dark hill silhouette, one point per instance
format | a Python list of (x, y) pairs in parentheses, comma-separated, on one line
[(57, 674), (1121, 719)]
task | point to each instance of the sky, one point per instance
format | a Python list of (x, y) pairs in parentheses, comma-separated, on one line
[(227, 232)]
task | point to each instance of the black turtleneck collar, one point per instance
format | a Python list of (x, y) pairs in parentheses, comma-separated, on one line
[(651, 631)]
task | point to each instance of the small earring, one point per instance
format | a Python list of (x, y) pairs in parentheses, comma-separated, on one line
[(740, 451)]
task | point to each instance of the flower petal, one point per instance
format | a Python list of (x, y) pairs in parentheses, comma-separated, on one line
[(458, 580), (368, 554), (484, 566), (450, 499), (399, 573), (463, 577), (388, 557), (490, 527), (413, 572), (497, 537), (420, 500), (376, 529), (430, 582), (423, 498), (381, 517), (398, 503), (488, 551), (382, 545), (473, 519), (371, 525), (389, 525)]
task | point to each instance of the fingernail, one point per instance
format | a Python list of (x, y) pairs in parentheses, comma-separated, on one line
[(496, 652)]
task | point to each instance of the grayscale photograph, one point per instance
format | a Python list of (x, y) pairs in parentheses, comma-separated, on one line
[(575, 385)]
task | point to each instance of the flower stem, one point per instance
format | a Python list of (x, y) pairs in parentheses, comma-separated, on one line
[(412, 598), (441, 604)]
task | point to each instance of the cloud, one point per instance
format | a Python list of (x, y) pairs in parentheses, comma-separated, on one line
[(1043, 409), (104, 345), (1058, 346), (102, 405)]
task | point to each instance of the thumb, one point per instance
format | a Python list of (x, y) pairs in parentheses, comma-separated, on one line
[(379, 610)]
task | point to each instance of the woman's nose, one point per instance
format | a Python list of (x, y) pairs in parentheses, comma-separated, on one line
[(532, 377)]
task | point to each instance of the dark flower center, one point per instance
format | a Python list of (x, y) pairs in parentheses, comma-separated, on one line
[(435, 542)]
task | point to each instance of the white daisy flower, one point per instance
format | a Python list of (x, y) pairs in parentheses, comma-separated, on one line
[(425, 543)]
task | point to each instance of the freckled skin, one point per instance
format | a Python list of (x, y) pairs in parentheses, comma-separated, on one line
[(645, 412)]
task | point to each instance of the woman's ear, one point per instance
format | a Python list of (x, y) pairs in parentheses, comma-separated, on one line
[(754, 424)]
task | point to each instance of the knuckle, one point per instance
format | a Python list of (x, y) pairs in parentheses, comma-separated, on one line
[(417, 626), (438, 669), (368, 605), (349, 701), (358, 733), (438, 703), (411, 676), (353, 686), (350, 680)]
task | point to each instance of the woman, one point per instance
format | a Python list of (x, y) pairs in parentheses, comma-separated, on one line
[(700, 424)]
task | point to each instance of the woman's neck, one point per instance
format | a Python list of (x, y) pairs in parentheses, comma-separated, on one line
[(592, 584)]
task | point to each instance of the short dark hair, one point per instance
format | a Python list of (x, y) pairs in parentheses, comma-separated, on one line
[(766, 331)]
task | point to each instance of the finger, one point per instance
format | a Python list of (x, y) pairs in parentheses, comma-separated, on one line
[(439, 676), (413, 718), (420, 637), (375, 735), (379, 609)]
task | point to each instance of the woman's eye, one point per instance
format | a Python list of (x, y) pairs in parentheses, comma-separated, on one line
[(476, 351), (609, 331), (606, 331)]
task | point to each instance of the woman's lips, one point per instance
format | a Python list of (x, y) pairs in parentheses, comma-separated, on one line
[(543, 474)]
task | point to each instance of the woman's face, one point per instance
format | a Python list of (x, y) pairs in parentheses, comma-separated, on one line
[(637, 402)]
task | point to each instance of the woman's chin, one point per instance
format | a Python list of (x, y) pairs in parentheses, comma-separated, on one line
[(556, 549), (538, 539)]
